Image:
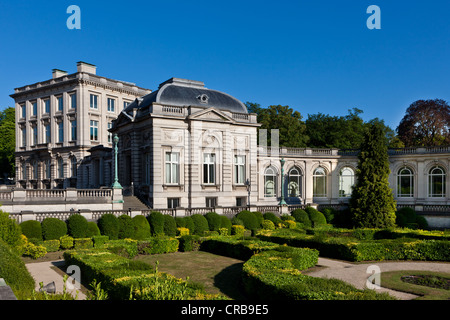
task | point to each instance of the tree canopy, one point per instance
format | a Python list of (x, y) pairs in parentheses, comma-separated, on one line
[(426, 123), (7, 142)]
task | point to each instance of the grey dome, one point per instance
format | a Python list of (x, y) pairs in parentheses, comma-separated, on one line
[(181, 92)]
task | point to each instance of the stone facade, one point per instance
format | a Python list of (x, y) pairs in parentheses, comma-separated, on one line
[(59, 120)]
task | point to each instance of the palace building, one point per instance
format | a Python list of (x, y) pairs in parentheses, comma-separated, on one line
[(184, 145)]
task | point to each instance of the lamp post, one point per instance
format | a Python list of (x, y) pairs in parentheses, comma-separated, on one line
[(116, 184), (282, 202)]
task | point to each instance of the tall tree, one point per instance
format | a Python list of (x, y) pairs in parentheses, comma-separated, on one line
[(292, 130), (7, 142), (426, 123), (372, 203)]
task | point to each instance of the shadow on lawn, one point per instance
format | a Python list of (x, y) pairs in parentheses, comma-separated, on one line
[(229, 281)]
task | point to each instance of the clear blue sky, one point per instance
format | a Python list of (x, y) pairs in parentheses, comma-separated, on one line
[(315, 56)]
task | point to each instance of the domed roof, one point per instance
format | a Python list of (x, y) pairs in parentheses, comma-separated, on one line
[(182, 93)]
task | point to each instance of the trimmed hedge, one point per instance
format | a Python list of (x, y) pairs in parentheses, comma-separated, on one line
[(141, 227), (125, 247), (109, 226), (53, 228), (214, 221), (126, 227), (77, 226), (249, 219), (170, 226), (225, 222), (66, 242), (9, 229), (317, 218), (31, 229), (15, 273), (301, 216), (51, 245), (156, 221), (83, 243), (235, 248), (272, 217), (200, 224), (161, 244), (99, 241), (93, 229), (189, 243)]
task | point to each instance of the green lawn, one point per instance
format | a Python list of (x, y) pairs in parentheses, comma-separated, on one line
[(217, 274)]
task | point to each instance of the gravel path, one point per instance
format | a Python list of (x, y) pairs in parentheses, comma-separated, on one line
[(358, 273)]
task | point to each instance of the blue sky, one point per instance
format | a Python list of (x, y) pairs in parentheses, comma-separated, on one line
[(315, 56)]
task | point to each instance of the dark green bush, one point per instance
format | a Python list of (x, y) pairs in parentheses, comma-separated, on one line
[(408, 213), (342, 218), (141, 227), (126, 227), (237, 222), (53, 228), (109, 226), (214, 221), (329, 214), (181, 222), (200, 224), (285, 217), (189, 224), (421, 222), (31, 229), (272, 217), (99, 241), (170, 226), (189, 243), (301, 216), (77, 226), (15, 273), (9, 229), (249, 219), (93, 229), (317, 218), (259, 217), (156, 220), (225, 222)]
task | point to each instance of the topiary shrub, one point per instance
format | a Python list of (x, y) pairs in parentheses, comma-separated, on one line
[(126, 227), (9, 229), (83, 243), (170, 226), (77, 226), (237, 230), (156, 220), (214, 221), (422, 222), (109, 226), (66, 242), (92, 230), (272, 217), (236, 222), (301, 216), (31, 229), (53, 228), (259, 217), (249, 219), (51, 245), (200, 224), (189, 224), (317, 218), (15, 273), (329, 214), (181, 222), (141, 227), (268, 225), (189, 243), (407, 215), (225, 223)]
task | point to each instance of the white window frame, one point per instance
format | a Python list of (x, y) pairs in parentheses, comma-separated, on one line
[(172, 167), (111, 105), (93, 130), (294, 179), (270, 182), (317, 176), (93, 101), (239, 172), (209, 168), (342, 178), (431, 176)]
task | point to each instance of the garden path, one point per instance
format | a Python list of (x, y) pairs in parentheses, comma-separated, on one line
[(358, 273)]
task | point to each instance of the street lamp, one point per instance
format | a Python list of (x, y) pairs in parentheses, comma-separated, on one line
[(116, 184), (282, 202)]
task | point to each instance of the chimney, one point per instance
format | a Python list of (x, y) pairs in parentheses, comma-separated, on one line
[(86, 67), (56, 73)]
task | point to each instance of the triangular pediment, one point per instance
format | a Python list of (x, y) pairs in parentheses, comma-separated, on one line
[(211, 114)]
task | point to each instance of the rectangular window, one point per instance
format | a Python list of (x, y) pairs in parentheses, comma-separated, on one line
[(94, 130), (147, 168), (48, 169), (239, 169), (46, 106), (60, 132), (23, 109), (126, 104), (173, 203), (48, 133), (109, 133), (73, 127), (211, 202), (94, 101), (34, 108), (209, 168), (73, 101), (35, 136), (60, 103), (172, 167), (24, 137), (111, 104), (240, 201)]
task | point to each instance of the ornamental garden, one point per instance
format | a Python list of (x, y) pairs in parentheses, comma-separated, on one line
[(276, 252)]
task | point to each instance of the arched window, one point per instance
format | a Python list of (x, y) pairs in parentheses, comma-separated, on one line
[(294, 182), (436, 182), (270, 176), (405, 183), (319, 182), (346, 182), (73, 167)]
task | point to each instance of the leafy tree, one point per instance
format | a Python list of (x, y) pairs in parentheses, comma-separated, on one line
[(426, 123), (7, 142), (291, 128), (372, 203)]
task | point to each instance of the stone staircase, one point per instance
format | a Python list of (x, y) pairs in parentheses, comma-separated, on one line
[(132, 202)]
